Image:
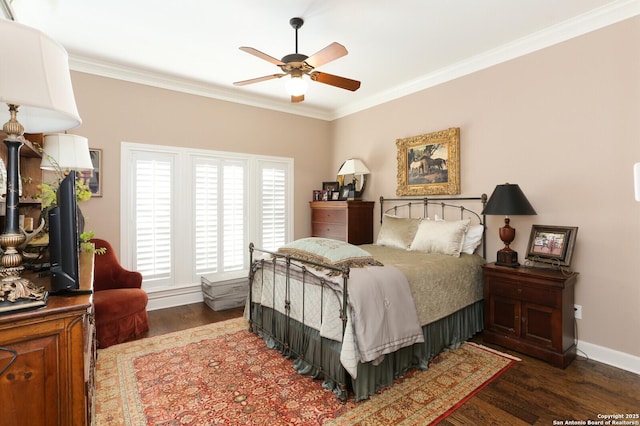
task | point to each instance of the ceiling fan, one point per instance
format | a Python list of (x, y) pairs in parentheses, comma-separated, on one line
[(296, 65)]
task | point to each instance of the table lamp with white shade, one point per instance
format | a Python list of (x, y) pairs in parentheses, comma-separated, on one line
[(355, 167), (35, 83)]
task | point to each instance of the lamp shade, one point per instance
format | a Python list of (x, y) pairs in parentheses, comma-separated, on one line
[(34, 74), (66, 152), (353, 166), (508, 200)]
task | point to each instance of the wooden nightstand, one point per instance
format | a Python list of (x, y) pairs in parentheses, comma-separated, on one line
[(350, 221), (530, 310)]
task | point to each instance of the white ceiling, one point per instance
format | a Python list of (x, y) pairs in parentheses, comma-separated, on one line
[(395, 47)]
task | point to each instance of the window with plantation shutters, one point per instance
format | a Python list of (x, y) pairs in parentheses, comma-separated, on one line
[(219, 192), (153, 216), (188, 213), (273, 204), (206, 184)]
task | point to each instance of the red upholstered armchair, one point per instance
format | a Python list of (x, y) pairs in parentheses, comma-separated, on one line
[(120, 304)]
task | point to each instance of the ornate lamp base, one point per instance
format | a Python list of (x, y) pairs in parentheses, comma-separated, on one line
[(12, 286), (507, 257)]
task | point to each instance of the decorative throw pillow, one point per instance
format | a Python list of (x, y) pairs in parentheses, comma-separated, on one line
[(472, 239), (440, 237), (397, 231), (330, 252)]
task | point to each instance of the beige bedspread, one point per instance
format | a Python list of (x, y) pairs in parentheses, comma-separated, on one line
[(440, 284)]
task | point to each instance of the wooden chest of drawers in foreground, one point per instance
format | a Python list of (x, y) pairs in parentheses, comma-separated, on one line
[(50, 380), (530, 310), (350, 221)]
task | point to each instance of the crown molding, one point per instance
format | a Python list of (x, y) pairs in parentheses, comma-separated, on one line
[(593, 20), (131, 74), (582, 24)]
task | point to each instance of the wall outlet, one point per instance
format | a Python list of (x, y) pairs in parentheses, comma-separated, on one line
[(577, 311)]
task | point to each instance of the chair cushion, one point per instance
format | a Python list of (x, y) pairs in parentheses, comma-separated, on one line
[(111, 305), (120, 314)]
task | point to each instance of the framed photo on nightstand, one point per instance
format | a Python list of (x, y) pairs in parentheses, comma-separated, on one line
[(552, 244)]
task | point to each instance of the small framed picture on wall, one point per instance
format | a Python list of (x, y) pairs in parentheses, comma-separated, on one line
[(93, 178)]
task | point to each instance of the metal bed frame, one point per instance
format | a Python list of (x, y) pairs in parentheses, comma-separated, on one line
[(293, 264)]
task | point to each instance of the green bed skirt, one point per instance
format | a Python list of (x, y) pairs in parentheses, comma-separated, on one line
[(320, 357)]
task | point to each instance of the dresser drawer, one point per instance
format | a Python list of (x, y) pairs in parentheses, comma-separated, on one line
[(337, 231), (329, 215), (516, 290)]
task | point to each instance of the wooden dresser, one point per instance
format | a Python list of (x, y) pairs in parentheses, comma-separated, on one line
[(350, 221), (530, 310), (50, 382)]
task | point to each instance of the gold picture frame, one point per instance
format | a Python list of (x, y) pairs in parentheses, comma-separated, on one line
[(429, 164)]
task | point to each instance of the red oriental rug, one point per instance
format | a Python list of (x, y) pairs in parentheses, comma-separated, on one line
[(223, 374)]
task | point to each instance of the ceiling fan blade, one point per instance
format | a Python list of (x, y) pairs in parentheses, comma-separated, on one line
[(262, 55), (295, 99), (334, 80), (326, 55), (258, 80)]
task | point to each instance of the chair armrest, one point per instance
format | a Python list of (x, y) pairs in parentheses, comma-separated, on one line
[(129, 279)]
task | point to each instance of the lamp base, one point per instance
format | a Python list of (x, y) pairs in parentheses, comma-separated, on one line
[(507, 257)]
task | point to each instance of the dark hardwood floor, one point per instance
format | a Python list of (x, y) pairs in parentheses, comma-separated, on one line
[(531, 392)]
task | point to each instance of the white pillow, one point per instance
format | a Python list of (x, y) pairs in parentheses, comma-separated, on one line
[(440, 237), (472, 239), (397, 231)]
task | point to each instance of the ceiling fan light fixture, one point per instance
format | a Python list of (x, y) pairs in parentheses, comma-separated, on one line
[(296, 86), (298, 65)]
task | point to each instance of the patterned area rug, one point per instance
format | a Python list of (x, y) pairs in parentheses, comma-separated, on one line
[(223, 374)]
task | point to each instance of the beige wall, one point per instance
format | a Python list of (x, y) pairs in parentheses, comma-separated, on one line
[(115, 111), (563, 123)]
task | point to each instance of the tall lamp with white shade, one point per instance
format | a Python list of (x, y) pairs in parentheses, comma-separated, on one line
[(34, 82), (356, 168)]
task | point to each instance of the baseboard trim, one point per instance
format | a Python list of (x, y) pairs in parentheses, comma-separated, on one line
[(175, 297), (183, 295), (609, 356)]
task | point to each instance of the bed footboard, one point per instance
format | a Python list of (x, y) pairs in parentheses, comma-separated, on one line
[(300, 312)]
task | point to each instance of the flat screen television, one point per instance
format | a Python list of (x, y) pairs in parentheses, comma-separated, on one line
[(64, 241)]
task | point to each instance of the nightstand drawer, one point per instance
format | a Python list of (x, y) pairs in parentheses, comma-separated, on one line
[(336, 231), (515, 290), (329, 215)]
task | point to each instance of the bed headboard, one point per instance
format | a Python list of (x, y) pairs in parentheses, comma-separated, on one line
[(447, 208)]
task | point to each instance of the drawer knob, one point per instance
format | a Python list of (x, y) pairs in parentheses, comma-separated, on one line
[(519, 290)]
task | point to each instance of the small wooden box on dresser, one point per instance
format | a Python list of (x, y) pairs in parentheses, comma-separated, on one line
[(530, 310), (50, 381), (350, 221)]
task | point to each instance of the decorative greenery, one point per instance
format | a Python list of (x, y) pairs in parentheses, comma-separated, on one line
[(48, 192), (89, 247)]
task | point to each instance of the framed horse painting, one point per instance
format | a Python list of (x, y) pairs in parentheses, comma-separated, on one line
[(429, 164)]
